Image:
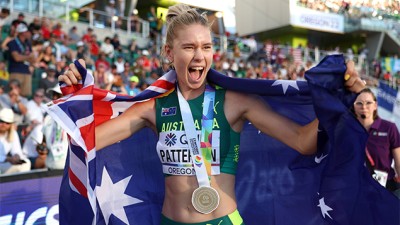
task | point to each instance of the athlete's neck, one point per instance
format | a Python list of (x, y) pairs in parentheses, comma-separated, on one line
[(190, 93)]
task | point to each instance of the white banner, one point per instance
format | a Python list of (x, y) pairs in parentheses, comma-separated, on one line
[(315, 20), (396, 106)]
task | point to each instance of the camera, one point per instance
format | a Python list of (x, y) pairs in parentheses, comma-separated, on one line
[(42, 149)]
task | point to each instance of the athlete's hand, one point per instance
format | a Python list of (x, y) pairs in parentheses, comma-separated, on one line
[(72, 75), (352, 81)]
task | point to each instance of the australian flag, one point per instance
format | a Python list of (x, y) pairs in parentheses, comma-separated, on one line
[(124, 184), (168, 111)]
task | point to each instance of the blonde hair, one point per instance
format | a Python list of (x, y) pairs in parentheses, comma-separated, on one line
[(10, 133), (181, 15)]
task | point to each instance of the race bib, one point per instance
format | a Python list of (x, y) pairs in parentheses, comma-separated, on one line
[(175, 156)]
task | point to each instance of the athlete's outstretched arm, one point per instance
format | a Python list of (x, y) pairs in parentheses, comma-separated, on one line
[(133, 119), (254, 109), (138, 116)]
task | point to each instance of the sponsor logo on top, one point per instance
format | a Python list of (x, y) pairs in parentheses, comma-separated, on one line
[(170, 139)]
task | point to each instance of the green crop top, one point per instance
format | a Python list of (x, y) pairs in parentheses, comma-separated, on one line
[(172, 147)]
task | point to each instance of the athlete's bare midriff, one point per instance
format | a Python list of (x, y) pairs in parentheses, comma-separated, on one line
[(178, 198)]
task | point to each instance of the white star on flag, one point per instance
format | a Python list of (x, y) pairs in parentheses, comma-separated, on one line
[(324, 208), (285, 84), (112, 199)]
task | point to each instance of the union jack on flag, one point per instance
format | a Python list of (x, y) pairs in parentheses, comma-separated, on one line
[(124, 184)]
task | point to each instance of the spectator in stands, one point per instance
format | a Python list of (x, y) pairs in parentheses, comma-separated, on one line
[(4, 16), (4, 75), (377, 68), (102, 60), (116, 43), (46, 28), (49, 81), (35, 29), (102, 76), (110, 11), (13, 100), (73, 36), (144, 62), (133, 51), (107, 48), (236, 53), (301, 74), (127, 73), (21, 57), (34, 137), (160, 23), (387, 76), (12, 160), (61, 66), (152, 18), (241, 73), (135, 23), (217, 56), (81, 50), (87, 37), (251, 43), (58, 32), (132, 88), (94, 47), (165, 67), (119, 63), (152, 78), (17, 21), (66, 51), (55, 137), (383, 145), (46, 58), (55, 47), (116, 84), (5, 54)]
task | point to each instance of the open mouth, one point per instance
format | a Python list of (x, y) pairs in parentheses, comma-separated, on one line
[(196, 72)]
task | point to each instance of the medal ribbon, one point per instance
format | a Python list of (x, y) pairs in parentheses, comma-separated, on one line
[(201, 153), (206, 127)]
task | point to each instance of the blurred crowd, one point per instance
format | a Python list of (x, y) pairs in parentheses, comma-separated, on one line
[(356, 8), (34, 53)]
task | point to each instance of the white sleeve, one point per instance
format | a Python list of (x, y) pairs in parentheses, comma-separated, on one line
[(16, 145), (3, 153)]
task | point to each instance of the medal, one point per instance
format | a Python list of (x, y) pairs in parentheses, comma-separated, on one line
[(205, 199)]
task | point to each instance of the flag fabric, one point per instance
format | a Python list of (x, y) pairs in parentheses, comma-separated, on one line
[(124, 184)]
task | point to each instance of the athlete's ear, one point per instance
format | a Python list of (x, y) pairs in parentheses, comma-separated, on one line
[(169, 53)]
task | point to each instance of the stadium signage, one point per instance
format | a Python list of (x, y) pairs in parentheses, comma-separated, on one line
[(30, 200), (315, 20)]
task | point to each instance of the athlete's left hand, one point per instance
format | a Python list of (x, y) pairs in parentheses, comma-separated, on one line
[(352, 81)]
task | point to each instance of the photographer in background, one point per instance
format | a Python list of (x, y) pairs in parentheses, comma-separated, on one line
[(55, 137), (12, 160)]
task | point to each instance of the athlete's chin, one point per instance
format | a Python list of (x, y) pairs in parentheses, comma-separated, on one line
[(196, 84)]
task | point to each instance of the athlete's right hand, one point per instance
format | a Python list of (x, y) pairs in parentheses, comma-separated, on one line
[(72, 75)]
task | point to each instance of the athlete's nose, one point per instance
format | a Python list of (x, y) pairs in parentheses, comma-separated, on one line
[(198, 54)]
